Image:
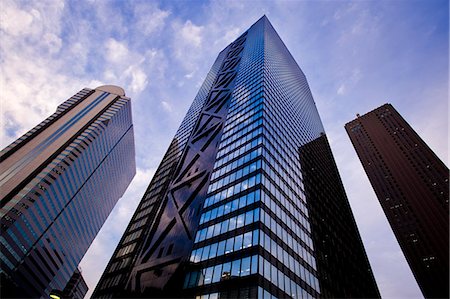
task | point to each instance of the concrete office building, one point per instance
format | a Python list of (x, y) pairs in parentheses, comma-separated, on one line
[(411, 183)]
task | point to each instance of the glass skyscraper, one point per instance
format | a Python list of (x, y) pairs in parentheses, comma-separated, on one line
[(229, 212), (59, 182)]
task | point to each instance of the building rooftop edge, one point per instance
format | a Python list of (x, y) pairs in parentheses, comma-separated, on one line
[(365, 114), (112, 89)]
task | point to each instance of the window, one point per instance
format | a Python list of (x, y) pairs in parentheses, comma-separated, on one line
[(221, 248), (236, 268), (240, 221), (232, 223), (208, 275), (255, 237), (267, 270), (247, 240), (249, 217), (217, 273), (224, 226), (238, 243), (245, 267), (210, 232), (229, 246), (242, 202), (213, 250), (205, 253), (226, 271), (273, 274), (254, 264)]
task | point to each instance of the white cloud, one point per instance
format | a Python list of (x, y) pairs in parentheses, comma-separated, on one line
[(149, 18), (189, 76), (14, 20), (341, 90), (138, 78), (116, 52), (166, 106), (125, 66), (53, 42), (187, 39), (191, 33)]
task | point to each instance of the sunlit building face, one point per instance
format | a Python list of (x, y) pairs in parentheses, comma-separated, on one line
[(233, 209)]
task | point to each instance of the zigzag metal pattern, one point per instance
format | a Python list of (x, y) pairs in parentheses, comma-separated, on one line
[(178, 218)]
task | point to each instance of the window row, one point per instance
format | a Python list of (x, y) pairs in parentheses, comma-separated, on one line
[(132, 236), (278, 278), (286, 147), (246, 115), (243, 95), (111, 281), (122, 263), (208, 296), (264, 294), (246, 105), (231, 144), (287, 237), (144, 212), (235, 189), (242, 131), (232, 155), (275, 191), (239, 162), (238, 174), (138, 224), (286, 259), (280, 178), (229, 207), (238, 135), (290, 170), (241, 123), (225, 271), (227, 225), (225, 247), (281, 214), (126, 250)]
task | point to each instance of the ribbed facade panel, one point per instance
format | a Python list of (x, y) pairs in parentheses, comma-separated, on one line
[(49, 224)]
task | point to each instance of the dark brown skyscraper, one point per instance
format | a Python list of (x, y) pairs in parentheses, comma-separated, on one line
[(411, 183)]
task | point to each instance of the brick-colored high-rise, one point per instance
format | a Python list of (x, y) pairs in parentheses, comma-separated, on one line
[(411, 183)]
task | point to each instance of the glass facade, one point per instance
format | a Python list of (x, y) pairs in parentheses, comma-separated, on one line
[(49, 221), (252, 229)]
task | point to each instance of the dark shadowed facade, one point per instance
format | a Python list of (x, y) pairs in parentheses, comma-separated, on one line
[(227, 213), (411, 183), (76, 288), (59, 182)]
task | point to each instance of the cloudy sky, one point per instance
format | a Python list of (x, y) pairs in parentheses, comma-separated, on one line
[(356, 55)]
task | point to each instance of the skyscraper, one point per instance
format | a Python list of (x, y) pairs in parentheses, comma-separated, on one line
[(228, 213), (76, 288), (411, 183), (59, 183)]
